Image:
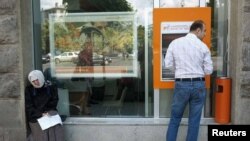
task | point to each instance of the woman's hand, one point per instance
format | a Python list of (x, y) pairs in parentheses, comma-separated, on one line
[(46, 114)]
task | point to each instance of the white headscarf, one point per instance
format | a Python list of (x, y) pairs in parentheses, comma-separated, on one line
[(34, 75)]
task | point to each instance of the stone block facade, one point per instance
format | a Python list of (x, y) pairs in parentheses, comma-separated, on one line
[(12, 121), (245, 83)]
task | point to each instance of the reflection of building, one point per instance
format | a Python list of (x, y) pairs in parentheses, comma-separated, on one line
[(57, 9)]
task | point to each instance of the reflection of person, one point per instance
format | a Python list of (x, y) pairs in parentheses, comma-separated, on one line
[(41, 100), (85, 56), (191, 60), (85, 59)]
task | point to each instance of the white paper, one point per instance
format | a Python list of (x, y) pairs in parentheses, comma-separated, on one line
[(48, 121)]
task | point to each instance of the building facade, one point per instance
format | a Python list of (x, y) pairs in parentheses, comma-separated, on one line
[(143, 113)]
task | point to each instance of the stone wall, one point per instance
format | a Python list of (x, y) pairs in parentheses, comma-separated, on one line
[(244, 100), (245, 86), (12, 125), (239, 65)]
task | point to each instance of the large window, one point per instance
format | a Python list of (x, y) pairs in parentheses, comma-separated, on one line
[(95, 52), (99, 53)]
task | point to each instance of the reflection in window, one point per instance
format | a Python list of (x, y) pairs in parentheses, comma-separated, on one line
[(68, 38)]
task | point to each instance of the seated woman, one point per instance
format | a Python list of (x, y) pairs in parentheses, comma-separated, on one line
[(41, 100)]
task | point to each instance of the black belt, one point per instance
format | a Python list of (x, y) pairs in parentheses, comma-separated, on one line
[(190, 79)]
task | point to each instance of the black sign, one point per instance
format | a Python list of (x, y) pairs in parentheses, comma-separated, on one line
[(232, 132)]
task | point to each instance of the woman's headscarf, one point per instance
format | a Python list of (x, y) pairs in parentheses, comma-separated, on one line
[(36, 75)]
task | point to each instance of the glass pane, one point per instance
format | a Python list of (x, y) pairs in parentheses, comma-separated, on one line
[(219, 46), (98, 59)]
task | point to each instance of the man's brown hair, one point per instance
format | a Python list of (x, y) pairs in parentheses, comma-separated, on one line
[(197, 24)]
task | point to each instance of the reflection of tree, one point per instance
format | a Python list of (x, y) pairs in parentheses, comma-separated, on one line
[(118, 36), (141, 46), (45, 37), (141, 39), (214, 29), (119, 39), (67, 40)]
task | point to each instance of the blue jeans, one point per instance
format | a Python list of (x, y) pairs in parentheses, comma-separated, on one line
[(194, 94)]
